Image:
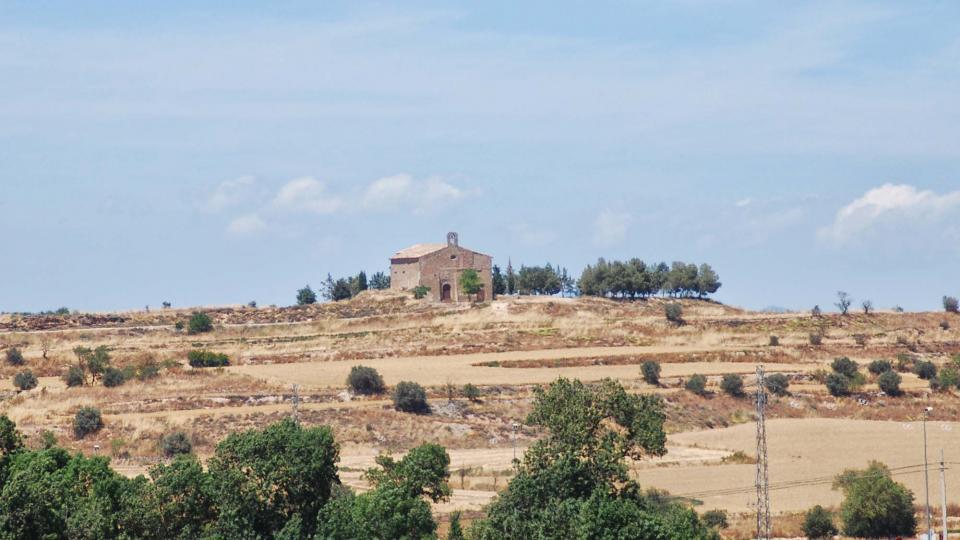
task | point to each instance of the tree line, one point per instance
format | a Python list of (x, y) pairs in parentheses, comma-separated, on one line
[(334, 290)]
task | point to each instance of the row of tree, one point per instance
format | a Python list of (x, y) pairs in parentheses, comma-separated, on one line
[(635, 278), (343, 288)]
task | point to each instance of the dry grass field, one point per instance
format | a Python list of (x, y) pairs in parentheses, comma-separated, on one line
[(504, 347)]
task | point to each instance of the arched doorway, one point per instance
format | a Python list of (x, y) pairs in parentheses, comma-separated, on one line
[(445, 292)]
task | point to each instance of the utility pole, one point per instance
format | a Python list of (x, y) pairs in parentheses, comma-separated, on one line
[(926, 474), (763, 492), (943, 496)]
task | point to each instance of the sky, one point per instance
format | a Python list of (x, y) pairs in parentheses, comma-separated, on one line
[(209, 153)]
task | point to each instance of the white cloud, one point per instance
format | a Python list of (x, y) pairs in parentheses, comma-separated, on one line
[(248, 224), (403, 191), (890, 205), (610, 227), (744, 202), (230, 193), (306, 194)]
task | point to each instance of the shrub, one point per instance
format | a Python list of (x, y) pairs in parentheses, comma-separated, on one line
[(306, 296), (838, 385), (818, 523), (889, 383), (697, 384), (844, 366), (878, 367), (203, 359), (925, 369), (860, 339), (774, 341), (905, 362), (25, 380), (471, 392), (949, 378), (674, 312), (149, 369), (113, 377), (815, 312), (715, 518), (14, 357), (650, 369), (777, 384), (73, 376), (950, 304), (732, 384), (944, 325), (420, 292), (410, 397), (87, 420), (175, 443), (874, 506), (178, 326), (816, 339), (365, 380), (199, 323)]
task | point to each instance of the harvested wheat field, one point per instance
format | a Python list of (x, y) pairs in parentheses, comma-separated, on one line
[(286, 359)]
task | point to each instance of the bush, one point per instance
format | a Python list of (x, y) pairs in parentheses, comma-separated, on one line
[(944, 325), (410, 397), (838, 385), (674, 312), (650, 369), (73, 376), (149, 369), (874, 506), (199, 323), (715, 518), (365, 380), (471, 392), (14, 357), (113, 377), (87, 420), (777, 384), (25, 380), (878, 367), (306, 296), (774, 341), (905, 362), (420, 292), (815, 312), (949, 378), (697, 384), (889, 383), (175, 443), (925, 369), (860, 339), (818, 523), (732, 384), (204, 359), (844, 366), (950, 304), (816, 339)]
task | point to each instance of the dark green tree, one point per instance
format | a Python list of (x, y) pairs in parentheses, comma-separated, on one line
[(845, 366), (697, 384), (499, 282), (818, 523), (365, 381), (777, 384), (25, 380), (199, 323), (14, 356), (889, 383), (470, 282), (379, 281), (732, 384), (176, 443), (87, 420), (306, 296), (651, 372), (410, 397), (838, 385), (875, 506)]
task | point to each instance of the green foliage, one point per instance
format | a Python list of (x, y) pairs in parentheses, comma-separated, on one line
[(732, 384), (499, 281), (818, 523), (10, 439), (422, 472), (15, 357), (456, 530), (25, 380), (377, 514), (175, 443), (470, 282), (949, 378), (697, 384), (715, 518), (925, 369), (73, 376), (199, 323), (379, 281), (951, 304), (573, 483), (844, 366), (365, 381), (539, 280), (87, 420), (306, 296), (875, 506), (420, 292), (635, 278), (410, 397), (777, 384), (889, 383), (204, 359), (838, 385), (113, 377), (650, 369), (146, 370), (878, 367), (261, 479), (339, 289), (674, 312), (471, 392), (816, 339)]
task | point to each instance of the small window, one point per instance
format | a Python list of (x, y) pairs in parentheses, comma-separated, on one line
[(452, 257)]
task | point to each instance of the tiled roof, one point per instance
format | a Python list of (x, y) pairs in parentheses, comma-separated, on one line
[(417, 250)]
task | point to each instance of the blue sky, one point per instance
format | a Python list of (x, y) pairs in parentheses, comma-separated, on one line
[(220, 152)]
